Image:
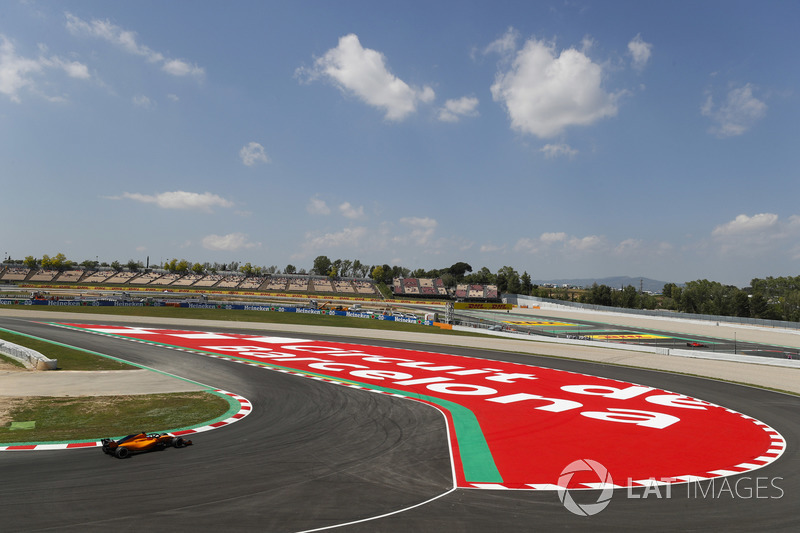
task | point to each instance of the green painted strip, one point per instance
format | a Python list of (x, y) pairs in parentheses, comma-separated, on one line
[(476, 457)]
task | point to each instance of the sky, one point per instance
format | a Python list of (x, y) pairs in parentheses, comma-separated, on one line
[(566, 139)]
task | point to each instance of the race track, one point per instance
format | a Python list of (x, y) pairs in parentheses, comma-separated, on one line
[(314, 455)]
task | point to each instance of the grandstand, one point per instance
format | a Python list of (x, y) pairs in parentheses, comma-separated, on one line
[(166, 279), (144, 279), (188, 280), (15, 274), (98, 277), (477, 292), (230, 281), (251, 283), (43, 275), (121, 277), (419, 287), (70, 276)]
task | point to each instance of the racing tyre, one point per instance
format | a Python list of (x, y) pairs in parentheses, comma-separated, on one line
[(122, 452), (179, 442)]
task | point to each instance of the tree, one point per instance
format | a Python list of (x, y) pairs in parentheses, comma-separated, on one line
[(290, 269), (459, 270), (322, 265), (483, 277), (30, 262), (526, 287), (344, 270), (377, 274), (116, 265), (198, 268), (133, 266), (508, 280)]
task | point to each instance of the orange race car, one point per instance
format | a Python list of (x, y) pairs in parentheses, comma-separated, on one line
[(142, 442)]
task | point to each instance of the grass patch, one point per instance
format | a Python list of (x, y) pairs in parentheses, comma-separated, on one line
[(68, 358), (93, 418)]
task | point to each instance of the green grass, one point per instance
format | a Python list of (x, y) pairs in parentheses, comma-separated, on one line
[(68, 358), (93, 418)]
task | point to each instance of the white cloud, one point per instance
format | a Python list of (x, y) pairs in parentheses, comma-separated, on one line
[(588, 243), (422, 230), (545, 240), (505, 45), (545, 93), (491, 248), (349, 211), (176, 67), (552, 238), (551, 151), (253, 153), (16, 72), (363, 72), (181, 200), (761, 235), (640, 52), (143, 101), (173, 97), (347, 237), (317, 206), (740, 111), (527, 245), (453, 110), (228, 243), (744, 225), (126, 40), (628, 246)]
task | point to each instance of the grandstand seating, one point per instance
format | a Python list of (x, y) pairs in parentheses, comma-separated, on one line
[(298, 284), (321, 285), (70, 276), (145, 279), (121, 277), (209, 281), (187, 280), (98, 277), (43, 275), (251, 283), (15, 274), (364, 287), (429, 287), (290, 283), (277, 284), (231, 281)]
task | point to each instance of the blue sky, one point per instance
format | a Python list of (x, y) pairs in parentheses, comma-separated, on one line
[(565, 139)]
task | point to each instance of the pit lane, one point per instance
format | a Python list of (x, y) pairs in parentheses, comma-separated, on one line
[(313, 455)]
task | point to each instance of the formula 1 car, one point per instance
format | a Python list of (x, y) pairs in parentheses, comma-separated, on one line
[(696, 345), (142, 442)]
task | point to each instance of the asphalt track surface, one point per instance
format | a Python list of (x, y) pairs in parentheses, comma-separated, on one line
[(314, 455)]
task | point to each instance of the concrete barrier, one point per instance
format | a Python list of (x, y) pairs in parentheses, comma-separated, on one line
[(26, 356)]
